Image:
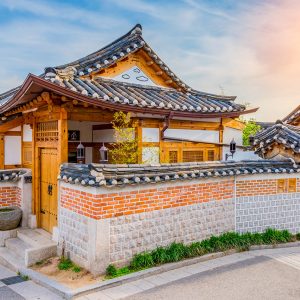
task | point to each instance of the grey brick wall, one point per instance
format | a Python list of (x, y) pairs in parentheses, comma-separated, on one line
[(73, 231), (257, 213), (136, 233)]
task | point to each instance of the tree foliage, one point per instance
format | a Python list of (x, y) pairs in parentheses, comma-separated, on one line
[(125, 148), (251, 128)]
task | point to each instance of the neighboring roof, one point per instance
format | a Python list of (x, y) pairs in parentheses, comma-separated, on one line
[(72, 77), (292, 116), (264, 125), (280, 133), (119, 175)]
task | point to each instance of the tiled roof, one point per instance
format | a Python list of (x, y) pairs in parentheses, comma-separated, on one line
[(280, 133), (11, 175), (293, 116), (127, 44), (71, 76), (119, 175), (147, 96)]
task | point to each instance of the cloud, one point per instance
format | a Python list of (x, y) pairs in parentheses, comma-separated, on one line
[(248, 49)]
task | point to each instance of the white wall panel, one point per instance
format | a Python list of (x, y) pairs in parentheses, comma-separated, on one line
[(150, 135), (27, 133), (230, 133), (150, 155), (211, 136), (12, 150)]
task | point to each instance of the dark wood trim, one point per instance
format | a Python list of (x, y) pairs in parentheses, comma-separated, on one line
[(102, 126)]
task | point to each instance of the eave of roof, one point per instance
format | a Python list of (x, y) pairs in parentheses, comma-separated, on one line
[(103, 103), (120, 175), (282, 134), (292, 116)]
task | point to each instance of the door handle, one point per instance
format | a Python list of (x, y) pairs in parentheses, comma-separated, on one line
[(43, 212), (50, 189)]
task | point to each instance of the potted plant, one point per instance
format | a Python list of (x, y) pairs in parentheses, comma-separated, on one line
[(10, 217)]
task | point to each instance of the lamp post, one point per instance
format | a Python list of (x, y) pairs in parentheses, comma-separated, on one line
[(232, 149), (103, 154), (80, 154)]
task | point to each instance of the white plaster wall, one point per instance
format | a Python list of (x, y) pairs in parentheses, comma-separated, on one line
[(150, 135), (240, 154), (12, 150), (232, 133), (27, 133), (211, 136), (150, 155)]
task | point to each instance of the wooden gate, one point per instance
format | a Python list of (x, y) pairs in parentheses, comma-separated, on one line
[(48, 188)]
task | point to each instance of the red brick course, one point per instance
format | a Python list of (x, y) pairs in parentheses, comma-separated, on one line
[(126, 203), (10, 196)]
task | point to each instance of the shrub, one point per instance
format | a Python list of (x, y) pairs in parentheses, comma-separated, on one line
[(111, 271), (65, 264), (159, 256), (178, 251), (142, 261)]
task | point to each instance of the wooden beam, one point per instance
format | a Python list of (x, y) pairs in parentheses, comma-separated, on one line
[(102, 126), (11, 124), (1, 151)]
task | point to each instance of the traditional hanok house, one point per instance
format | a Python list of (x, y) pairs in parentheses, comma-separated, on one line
[(280, 140), (44, 119)]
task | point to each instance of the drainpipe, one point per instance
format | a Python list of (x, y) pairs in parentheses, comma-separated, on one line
[(166, 125)]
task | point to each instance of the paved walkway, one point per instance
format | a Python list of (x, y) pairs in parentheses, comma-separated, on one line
[(262, 274), (14, 287)]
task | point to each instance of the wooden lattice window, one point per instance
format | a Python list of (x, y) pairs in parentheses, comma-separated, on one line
[(27, 154), (47, 131), (292, 185), (287, 185), (211, 155), (281, 186), (173, 157), (191, 155)]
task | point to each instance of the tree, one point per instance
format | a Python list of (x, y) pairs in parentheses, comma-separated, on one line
[(251, 128), (125, 148)]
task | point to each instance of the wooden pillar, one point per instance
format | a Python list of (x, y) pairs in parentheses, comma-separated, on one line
[(1, 151), (162, 158), (139, 138), (63, 138), (221, 135)]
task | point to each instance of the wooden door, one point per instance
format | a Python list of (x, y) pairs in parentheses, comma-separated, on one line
[(48, 188)]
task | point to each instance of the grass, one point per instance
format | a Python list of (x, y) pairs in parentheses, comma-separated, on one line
[(178, 251), (6, 209), (24, 277), (67, 264)]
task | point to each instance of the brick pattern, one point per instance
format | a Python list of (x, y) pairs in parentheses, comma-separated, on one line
[(257, 213), (10, 196), (127, 203), (139, 232), (256, 187)]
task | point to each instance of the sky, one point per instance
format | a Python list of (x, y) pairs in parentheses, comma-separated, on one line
[(246, 48)]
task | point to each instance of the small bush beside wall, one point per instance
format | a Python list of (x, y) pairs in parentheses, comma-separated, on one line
[(178, 251)]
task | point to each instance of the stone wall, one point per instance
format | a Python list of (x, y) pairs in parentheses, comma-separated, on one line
[(145, 231), (101, 225), (268, 202)]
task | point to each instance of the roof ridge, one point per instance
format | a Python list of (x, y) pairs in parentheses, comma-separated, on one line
[(136, 30)]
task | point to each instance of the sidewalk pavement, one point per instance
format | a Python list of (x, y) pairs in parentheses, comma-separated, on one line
[(14, 287), (290, 256)]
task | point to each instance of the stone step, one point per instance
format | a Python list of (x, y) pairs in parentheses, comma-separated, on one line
[(17, 246), (35, 237), (11, 260)]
